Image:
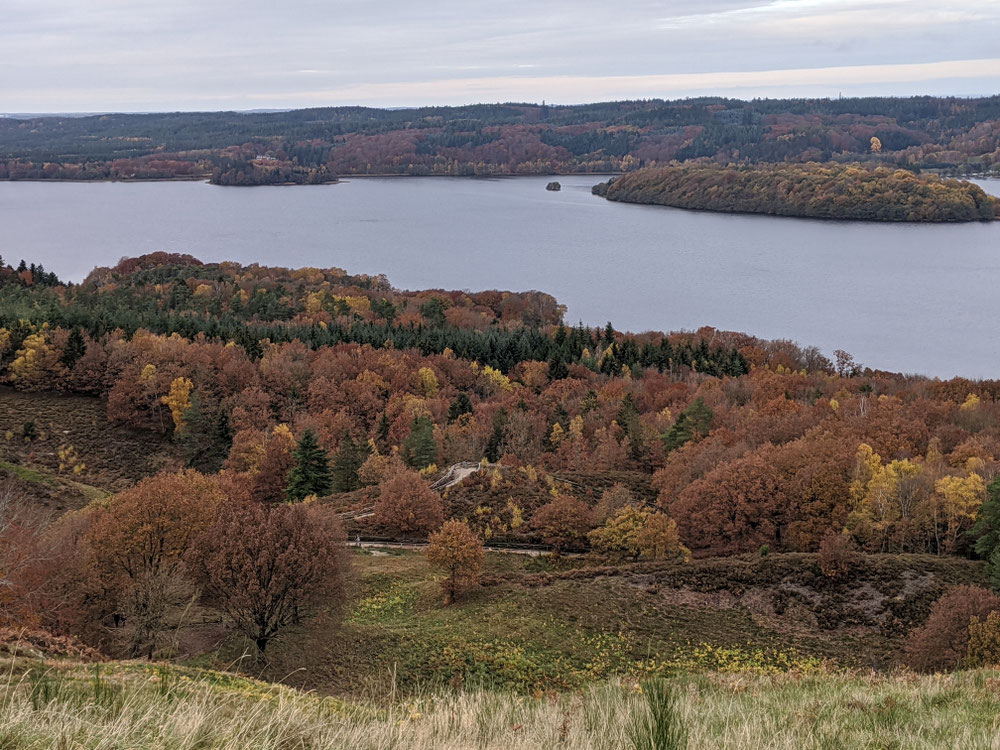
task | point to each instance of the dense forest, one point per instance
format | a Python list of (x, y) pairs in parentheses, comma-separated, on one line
[(822, 191), (250, 419), (742, 442), (315, 145)]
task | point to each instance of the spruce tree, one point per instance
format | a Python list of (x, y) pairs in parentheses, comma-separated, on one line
[(76, 347), (346, 464), (311, 473), (557, 367), (495, 442), (419, 448)]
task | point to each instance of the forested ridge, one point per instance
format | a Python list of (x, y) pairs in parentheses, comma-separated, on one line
[(823, 191), (290, 408), (316, 145)]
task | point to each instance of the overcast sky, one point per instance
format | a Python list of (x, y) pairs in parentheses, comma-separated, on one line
[(142, 55)]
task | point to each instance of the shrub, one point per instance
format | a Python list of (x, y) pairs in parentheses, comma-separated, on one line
[(984, 642), (942, 642), (838, 554)]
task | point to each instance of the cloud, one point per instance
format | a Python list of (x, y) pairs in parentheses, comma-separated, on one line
[(67, 55)]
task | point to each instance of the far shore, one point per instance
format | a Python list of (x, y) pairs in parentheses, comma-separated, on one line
[(345, 178)]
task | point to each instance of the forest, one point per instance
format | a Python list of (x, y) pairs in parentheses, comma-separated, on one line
[(819, 191), (296, 408), (311, 146)]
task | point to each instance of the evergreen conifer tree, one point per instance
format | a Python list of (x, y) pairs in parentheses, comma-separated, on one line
[(557, 367), (694, 421), (346, 464), (382, 433), (419, 448), (76, 347), (311, 473), (495, 442)]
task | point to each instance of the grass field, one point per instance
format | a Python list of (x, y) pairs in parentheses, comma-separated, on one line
[(53, 704), (532, 630)]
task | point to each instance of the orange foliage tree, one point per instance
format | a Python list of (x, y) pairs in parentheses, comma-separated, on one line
[(459, 552), (408, 505)]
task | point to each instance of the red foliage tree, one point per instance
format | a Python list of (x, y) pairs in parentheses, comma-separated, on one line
[(942, 642), (265, 565), (408, 505), (563, 522)]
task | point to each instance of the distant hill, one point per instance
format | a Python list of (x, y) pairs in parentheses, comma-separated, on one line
[(952, 134)]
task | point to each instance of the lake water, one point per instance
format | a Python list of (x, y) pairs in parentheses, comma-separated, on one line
[(910, 298)]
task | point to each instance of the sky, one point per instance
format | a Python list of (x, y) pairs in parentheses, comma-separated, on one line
[(168, 55)]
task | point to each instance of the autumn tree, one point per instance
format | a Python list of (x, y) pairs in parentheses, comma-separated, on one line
[(408, 505), (838, 555), (266, 565), (563, 522), (658, 539), (635, 532), (21, 527), (311, 473), (459, 552), (942, 642), (139, 540), (612, 500), (178, 400)]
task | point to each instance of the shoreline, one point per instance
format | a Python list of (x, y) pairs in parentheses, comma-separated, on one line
[(344, 178)]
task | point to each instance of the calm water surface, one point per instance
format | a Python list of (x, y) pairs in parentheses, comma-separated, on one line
[(912, 298)]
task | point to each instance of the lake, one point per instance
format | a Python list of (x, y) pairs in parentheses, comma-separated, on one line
[(911, 298)]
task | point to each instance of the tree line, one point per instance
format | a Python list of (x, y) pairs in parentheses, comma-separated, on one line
[(823, 191)]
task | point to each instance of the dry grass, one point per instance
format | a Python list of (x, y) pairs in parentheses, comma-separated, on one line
[(58, 705)]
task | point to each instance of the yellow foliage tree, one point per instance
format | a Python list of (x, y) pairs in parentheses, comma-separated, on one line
[(34, 361), (876, 144), (883, 495), (957, 501), (178, 400), (971, 402), (428, 382)]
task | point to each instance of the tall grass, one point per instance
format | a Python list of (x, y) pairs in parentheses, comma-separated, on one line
[(143, 706), (659, 727)]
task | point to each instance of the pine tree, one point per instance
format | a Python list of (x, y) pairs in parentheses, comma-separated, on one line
[(419, 448), (693, 422), (76, 347), (346, 464), (311, 473), (497, 436)]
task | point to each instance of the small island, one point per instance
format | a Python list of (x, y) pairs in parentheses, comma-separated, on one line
[(811, 190), (554, 186)]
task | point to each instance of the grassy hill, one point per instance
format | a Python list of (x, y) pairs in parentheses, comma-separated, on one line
[(113, 457), (532, 629), (51, 702)]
